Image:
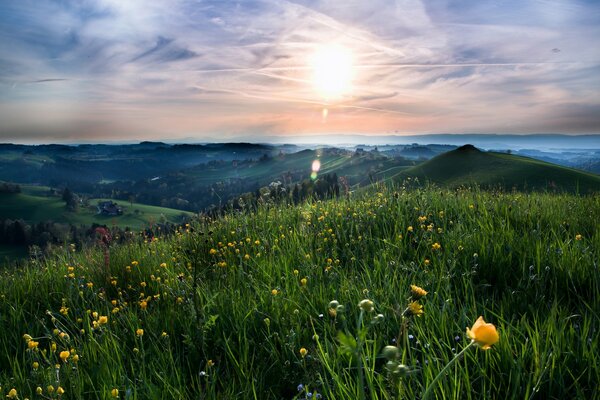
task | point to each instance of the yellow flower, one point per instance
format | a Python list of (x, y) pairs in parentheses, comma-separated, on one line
[(139, 332), (417, 292), (39, 390), (303, 352), (60, 391), (103, 320), (436, 246), (143, 305), (409, 229), (483, 334), (36, 365), (12, 394), (210, 363), (414, 308), (27, 337), (114, 392), (367, 305), (64, 355), (32, 344), (274, 292), (212, 252), (50, 389), (578, 237), (303, 281), (75, 358)]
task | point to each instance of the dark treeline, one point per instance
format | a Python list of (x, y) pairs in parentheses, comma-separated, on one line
[(9, 188), (45, 235), (327, 186)]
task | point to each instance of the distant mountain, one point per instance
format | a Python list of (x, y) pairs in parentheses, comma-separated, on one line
[(469, 165)]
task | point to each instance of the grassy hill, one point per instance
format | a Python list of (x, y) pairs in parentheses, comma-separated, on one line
[(353, 166), (266, 305), (468, 165), (33, 205)]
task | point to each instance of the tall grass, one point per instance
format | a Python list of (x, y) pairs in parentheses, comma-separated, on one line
[(225, 311)]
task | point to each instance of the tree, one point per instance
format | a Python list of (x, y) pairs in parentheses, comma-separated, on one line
[(70, 199)]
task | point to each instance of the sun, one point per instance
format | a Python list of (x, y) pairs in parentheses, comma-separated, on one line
[(332, 71)]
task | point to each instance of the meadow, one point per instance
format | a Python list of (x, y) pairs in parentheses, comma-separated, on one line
[(270, 303), (33, 205)]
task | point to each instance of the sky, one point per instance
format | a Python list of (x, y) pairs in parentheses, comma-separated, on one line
[(201, 70)]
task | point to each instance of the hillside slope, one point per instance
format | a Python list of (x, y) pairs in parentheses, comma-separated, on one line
[(468, 165), (266, 304), (33, 207)]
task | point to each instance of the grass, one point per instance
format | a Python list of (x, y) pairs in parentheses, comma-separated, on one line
[(225, 311), (33, 206)]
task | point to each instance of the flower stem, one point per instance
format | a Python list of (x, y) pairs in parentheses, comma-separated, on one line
[(429, 389)]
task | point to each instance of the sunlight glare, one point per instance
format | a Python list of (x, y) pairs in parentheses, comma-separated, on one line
[(332, 68)]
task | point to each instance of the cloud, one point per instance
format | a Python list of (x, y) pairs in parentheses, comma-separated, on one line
[(182, 67)]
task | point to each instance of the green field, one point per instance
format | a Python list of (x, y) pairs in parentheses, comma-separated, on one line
[(33, 206), (241, 307), (354, 167), (467, 166)]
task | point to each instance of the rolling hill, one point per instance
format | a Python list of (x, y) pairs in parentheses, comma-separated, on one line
[(34, 206), (467, 165)]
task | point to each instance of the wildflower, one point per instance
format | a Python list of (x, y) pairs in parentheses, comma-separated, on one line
[(139, 332), (179, 300), (27, 338), (303, 352), (163, 265), (39, 390), (50, 389), (303, 281), (414, 308), (64, 355), (12, 394), (417, 292), (436, 246), (114, 392), (32, 344), (143, 305), (410, 229), (366, 305), (35, 365), (483, 334), (143, 284), (274, 292), (578, 237), (164, 334), (60, 391), (75, 358), (102, 320), (210, 363)]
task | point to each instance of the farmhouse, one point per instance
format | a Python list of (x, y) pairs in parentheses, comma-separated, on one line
[(109, 208)]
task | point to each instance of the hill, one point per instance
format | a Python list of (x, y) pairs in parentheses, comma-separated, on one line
[(300, 302), (34, 205), (467, 165)]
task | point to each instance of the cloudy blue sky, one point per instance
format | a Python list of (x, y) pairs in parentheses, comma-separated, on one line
[(121, 70)]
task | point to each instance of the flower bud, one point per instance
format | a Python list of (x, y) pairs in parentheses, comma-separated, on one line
[(366, 305)]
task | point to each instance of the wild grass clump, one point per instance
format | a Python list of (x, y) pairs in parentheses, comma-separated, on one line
[(315, 301)]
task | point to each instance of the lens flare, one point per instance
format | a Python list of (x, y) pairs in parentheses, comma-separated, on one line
[(316, 166)]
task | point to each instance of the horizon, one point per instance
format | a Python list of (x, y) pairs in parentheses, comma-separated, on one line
[(492, 141)]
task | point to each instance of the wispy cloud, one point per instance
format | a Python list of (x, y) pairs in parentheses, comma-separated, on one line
[(182, 68)]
